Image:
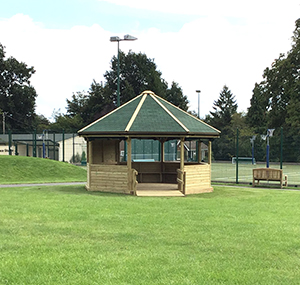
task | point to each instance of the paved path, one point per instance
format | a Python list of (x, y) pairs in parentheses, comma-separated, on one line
[(41, 184)]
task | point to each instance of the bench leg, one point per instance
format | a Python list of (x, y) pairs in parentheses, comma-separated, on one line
[(285, 180)]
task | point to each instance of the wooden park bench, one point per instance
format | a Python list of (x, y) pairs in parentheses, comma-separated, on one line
[(269, 174)]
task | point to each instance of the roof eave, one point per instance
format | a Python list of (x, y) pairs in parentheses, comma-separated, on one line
[(149, 134)]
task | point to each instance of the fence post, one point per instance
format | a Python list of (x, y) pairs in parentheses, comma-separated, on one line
[(63, 146), (54, 146), (9, 143), (34, 144), (73, 160), (281, 147), (237, 157)]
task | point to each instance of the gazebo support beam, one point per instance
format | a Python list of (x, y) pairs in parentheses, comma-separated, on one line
[(181, 186), (129, 165), (209, 152), (199, 151), (162, 159)]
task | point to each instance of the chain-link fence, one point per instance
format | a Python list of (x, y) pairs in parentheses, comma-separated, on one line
[(274, 149), (233, 158), (53, 145)]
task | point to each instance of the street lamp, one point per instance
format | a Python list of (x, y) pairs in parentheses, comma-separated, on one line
[(117, 39), (198, 91)]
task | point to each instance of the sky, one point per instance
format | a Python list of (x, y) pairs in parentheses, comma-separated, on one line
[(201, 45)]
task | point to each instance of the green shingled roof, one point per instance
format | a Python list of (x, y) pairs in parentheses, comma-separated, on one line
[(149, 114)]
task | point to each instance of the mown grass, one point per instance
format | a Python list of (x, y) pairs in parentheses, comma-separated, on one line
[(20, 169), (65, 235)]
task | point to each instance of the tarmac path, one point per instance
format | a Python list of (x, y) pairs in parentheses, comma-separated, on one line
[(40, 184)]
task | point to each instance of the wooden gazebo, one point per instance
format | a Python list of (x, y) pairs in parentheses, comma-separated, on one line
[(146, 116)]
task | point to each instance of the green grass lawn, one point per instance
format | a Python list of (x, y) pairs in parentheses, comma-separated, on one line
[(66, 235), (20, 169)]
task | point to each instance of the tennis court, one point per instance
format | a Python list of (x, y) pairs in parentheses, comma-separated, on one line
[(226, 171)]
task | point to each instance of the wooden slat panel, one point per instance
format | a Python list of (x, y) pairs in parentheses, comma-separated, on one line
[(198, 178)]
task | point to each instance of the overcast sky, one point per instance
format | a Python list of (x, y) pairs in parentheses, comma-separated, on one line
[(202, 45)]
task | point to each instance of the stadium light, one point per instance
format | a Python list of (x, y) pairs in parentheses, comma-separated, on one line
[(266, 137), (117, 39), (198, 91)]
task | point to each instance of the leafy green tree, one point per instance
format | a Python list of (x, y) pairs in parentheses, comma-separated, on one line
[(275, 102), (137, 74), (17, 96), (41, 123), (86, 107)]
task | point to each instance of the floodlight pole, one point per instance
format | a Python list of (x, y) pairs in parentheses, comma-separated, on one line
[(198, 91), (118, 85), (269, 134), (268, 151), (252, 144), (117, 39)]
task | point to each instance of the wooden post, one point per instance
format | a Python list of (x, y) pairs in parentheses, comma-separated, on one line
[(89, 163), (181, 162), (181, 154), (209, 152), (162, 159), (90, 152), (129, 165), (199, 152)]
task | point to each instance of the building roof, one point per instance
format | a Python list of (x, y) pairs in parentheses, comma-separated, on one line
[(148, 115)]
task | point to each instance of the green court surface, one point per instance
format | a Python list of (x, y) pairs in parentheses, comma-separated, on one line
[(226, 171)]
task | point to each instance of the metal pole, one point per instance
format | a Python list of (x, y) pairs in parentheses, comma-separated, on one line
[(199, 105), (3, 114), (34, 144), (281, 147), (268, 150), (44, 147), (63, 146), (237, 157), (73, 148), (54, 147), (198, 91), (9, 143), (118, 87)]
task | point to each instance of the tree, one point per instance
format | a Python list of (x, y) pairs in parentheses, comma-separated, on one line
[(41, 123), (137, 74), (176, 97), (17, 96), (224, 108), (221, 118), (257, 112), (275, 101), (86, 107)]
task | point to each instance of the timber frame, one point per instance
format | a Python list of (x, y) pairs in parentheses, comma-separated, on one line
[(146, 116)]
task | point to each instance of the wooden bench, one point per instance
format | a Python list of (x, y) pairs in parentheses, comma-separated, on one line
[(269, 174)]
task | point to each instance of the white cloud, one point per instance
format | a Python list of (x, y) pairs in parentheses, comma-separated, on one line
[(205, 54), (65, 61)]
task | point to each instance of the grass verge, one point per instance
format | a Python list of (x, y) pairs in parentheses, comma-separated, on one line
[(20, 169), (65, 235)]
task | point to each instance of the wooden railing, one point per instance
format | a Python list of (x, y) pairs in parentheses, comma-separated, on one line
[(133, 181), (181, 180)]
